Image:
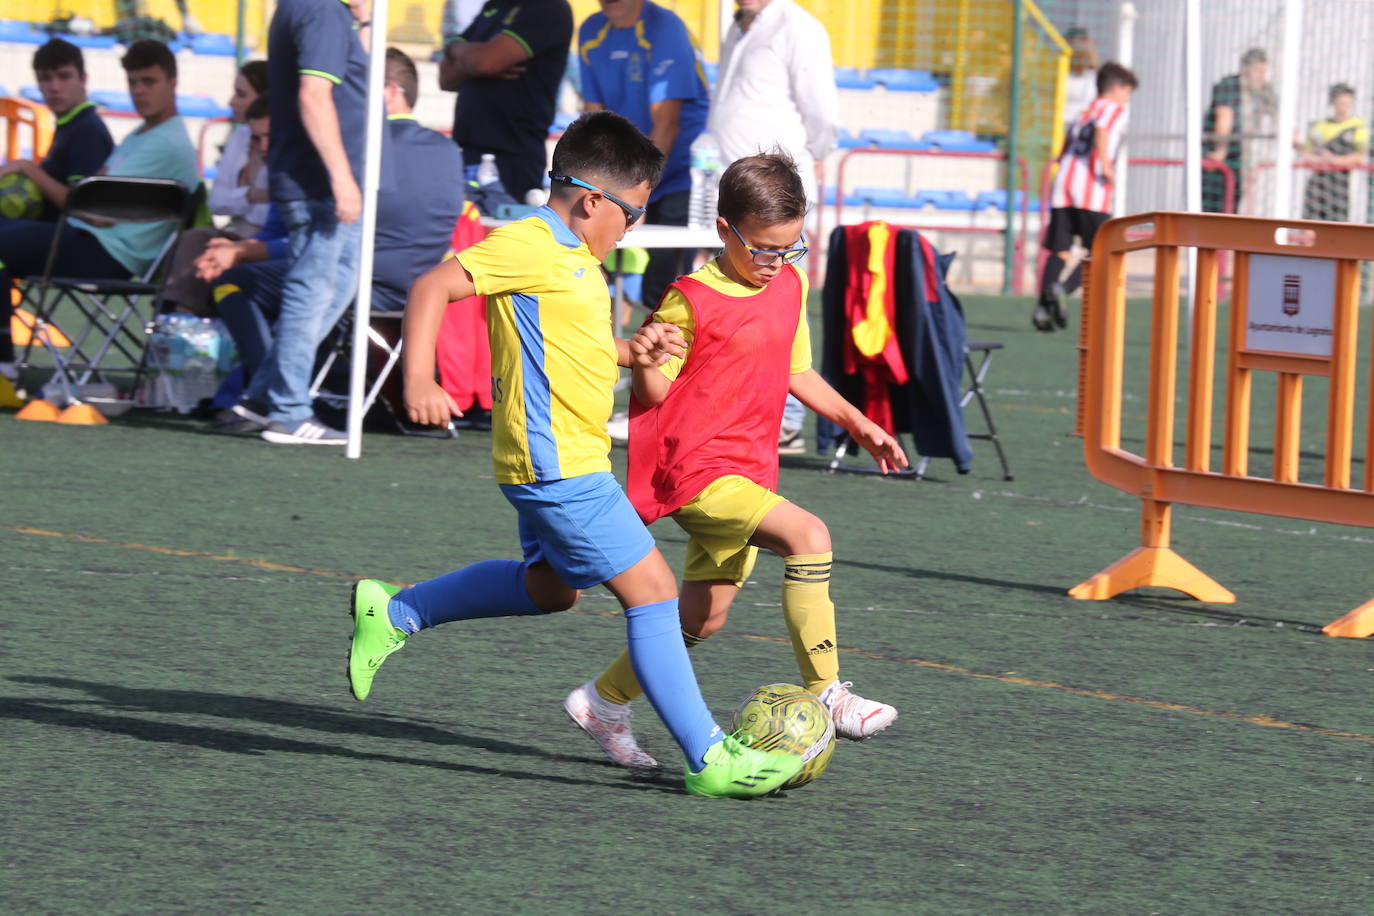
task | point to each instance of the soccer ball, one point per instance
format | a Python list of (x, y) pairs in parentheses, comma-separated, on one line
[(788, 718), (20, 197)]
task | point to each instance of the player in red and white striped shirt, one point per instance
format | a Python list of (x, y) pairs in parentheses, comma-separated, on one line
[(1081, 198)]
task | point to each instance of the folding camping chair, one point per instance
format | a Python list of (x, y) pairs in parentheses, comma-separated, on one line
[(390, 355), (115, 314), (976, 370)]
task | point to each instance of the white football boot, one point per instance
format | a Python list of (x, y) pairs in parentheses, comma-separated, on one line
[(609, 724), (854, 717)]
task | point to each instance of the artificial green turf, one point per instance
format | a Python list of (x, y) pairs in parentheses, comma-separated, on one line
[(179, 737)]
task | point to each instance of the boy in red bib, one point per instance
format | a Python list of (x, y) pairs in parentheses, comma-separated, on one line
[(703, 448)]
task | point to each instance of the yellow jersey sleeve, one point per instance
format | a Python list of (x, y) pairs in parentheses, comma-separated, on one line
[(673, 308), (801, 343), (513, 259)]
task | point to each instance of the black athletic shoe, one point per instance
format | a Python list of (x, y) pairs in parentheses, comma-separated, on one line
[(1059, 313), (1043, 316)]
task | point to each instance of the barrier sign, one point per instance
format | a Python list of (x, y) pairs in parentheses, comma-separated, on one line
[(1290, 306)]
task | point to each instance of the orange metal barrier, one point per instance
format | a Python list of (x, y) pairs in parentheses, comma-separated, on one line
[(36, 118), (1293, 312)]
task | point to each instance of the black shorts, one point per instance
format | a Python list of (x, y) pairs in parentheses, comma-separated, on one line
[(1067, 222)]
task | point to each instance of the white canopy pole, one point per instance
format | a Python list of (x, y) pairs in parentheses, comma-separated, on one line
[(1291, 51), (372, 170)]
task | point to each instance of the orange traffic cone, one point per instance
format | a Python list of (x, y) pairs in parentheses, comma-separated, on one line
[(21, 330), (39, 409), (82, 415)]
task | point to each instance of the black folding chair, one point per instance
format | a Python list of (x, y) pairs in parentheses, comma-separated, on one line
[(116, 315)]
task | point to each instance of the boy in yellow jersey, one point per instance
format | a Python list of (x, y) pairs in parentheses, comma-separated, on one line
[(554, 367), (703, 448)]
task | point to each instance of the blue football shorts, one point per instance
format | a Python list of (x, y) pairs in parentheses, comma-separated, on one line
[(584, 527)]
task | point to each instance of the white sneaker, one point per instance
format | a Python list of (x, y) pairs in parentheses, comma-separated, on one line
[(310, 431), (855, 717), (609, 724)]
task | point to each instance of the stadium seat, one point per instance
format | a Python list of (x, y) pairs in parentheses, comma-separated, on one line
[(958, 141), (213, 45), (997, 200), (944, 199), (891, 138), (884, 197), (29, 93), (846, 139), (904, 80), (21, 33), (852, 78), (199, 105), (100, 42), (113, 99), (851, 199)]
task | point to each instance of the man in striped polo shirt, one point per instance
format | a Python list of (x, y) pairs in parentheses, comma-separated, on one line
[(1081, 199)]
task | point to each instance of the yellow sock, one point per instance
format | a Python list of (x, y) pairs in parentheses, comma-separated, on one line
[(618, 684), (810, 617)]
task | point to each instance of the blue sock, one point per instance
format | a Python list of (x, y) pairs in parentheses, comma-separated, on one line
[(660, 661), (491, 588)]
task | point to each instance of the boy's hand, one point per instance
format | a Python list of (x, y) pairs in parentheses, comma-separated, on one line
[(427, 404), (881, 444), (654, 344)]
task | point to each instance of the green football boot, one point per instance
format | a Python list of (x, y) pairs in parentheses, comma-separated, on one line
[(374, 638), (735, 770)]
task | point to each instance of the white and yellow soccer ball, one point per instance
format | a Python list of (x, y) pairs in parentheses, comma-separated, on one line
[(20, 197), (787, 718)]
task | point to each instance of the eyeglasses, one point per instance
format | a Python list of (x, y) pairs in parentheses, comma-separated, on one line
[(767, 257), (632, 214)]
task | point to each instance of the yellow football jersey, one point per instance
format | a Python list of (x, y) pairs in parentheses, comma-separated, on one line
[(553, 356)]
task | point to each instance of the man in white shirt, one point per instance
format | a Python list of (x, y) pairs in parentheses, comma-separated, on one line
[(776, 88)]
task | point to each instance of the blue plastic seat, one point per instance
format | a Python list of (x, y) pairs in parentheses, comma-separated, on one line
[(904, 80), (891, 138), (21, 33), (997, 200), (32, 94), (945, 199), (852, 78), (882, 197), (200, 105), (958, 141), (91, 41), (213, 45), (847, 140), (113, 99)]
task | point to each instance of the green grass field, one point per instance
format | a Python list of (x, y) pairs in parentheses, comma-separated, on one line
[(178, 734)]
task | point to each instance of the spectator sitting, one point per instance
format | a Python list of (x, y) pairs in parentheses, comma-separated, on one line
[(159, 148), (415, 218), (185, 290), (240, 187), (81, 143)]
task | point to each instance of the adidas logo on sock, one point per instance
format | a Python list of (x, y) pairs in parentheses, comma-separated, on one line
[(821, 648)]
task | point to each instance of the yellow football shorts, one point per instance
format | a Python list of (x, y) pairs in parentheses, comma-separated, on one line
[(719, 522)]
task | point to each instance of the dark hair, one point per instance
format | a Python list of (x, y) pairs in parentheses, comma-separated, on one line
[(765, 188), (603, 148), (57, 53), (1254, 56), (1111, 74), (400, 69), (1339, 89), (148, 52), (258, 108), (255, 72)]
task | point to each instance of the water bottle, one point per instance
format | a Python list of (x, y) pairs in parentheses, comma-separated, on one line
[(487, 172), (705, 167)]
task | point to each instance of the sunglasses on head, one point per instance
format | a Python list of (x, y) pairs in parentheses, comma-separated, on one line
[(632, 214)]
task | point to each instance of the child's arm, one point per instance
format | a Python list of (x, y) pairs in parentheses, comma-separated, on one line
[(816, 393), (652, 346), (426, 402)]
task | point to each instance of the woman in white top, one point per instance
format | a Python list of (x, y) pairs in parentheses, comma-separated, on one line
[(240, 187), (239, 192)]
